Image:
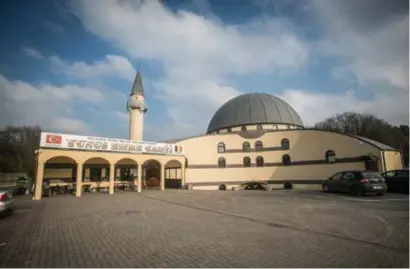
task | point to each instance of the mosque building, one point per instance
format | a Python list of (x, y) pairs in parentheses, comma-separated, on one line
[(252, 137)]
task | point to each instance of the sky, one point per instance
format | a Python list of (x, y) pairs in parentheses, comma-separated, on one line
[(68, 66)]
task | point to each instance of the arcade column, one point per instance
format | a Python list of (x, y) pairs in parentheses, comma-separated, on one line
[(162, 177), (139, 178), (38, 191), (79, 182), (112, 170)]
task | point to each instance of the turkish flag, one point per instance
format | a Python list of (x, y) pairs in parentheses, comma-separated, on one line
[(54, 139)]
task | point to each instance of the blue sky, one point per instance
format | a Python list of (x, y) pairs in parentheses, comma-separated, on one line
[(69, 66)]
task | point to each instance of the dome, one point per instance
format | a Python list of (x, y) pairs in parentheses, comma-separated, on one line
[(252, 109)]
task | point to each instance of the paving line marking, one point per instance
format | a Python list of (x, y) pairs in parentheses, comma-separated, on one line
[(361, 200), (21, 210), (9, 223)]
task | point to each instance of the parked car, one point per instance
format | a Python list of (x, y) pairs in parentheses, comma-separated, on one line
[(397, 180), (6, 203), (19, 190), (356, 183), (253, 186)]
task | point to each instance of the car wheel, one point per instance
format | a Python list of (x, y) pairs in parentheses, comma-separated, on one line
[(222, 187), (287, 186), (380, 194), (325, 188)]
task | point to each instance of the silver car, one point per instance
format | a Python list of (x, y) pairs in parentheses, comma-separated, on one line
[(7, 204)]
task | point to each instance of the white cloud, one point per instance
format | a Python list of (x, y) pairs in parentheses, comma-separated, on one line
[(32, 53), (70, 125), (200, 54), (371, 37), (197, 54), (314, 107), (112, 65), (49, 106)]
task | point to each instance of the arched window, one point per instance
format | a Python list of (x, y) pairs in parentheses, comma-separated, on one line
[(330, 156), (259, 127), (246, 147), (286, 159), (259, 161), (221, 147), (258, 146), (285, 143), (221, 162), (243, 128), (246, 162), (229, 129)]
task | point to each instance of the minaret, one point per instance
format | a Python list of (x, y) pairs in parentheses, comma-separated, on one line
[(137, 108)]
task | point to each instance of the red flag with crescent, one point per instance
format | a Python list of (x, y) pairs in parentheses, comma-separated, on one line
[(54, 139)]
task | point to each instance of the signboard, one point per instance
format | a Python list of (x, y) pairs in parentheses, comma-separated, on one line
[(92, 143)]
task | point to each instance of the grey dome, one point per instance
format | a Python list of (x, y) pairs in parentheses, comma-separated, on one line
[(254, 108)]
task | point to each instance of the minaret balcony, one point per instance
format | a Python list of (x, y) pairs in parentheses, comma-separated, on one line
[(138, 104)]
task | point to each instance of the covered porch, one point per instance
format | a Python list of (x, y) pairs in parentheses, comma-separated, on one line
[(77, 172)]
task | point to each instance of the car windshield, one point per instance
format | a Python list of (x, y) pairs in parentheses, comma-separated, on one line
[(372, 175)]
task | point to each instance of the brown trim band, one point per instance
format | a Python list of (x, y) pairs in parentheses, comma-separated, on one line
[(253, 150), (275, 164)]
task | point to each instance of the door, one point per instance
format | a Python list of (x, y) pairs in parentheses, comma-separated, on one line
[(346, 182), (402, 178), (397, 181), (333, 182)]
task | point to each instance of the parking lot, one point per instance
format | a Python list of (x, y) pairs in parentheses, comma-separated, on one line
[(180, 228)]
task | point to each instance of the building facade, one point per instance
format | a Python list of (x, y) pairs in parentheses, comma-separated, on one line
[(252, 137)]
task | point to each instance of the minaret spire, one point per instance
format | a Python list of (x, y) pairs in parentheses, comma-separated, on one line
[(137, 87), (137, 108)]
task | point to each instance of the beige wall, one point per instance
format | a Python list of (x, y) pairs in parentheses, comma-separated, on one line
[(393, 160), (304, 145), (227, 175)]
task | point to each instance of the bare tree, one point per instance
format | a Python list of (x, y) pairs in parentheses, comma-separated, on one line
[(17, 146), (369, 126)]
